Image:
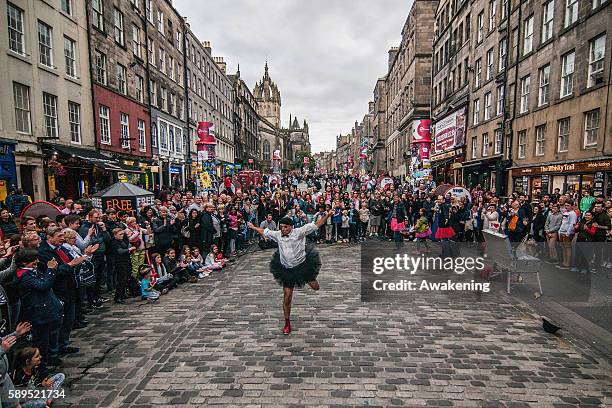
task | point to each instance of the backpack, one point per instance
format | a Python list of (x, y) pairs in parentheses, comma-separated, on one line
[(513, 223)]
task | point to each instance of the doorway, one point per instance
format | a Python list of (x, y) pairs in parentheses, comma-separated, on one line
[(27, 180)]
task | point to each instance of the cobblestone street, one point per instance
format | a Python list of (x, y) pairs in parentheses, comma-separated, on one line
[(219, 342)]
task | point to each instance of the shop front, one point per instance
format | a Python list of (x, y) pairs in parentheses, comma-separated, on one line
[(481, 172), (446, 167), (566, 178), (8, 170)]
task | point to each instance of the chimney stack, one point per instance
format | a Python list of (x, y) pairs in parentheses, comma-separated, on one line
[(392, 54), (207, 47), (220, 63)]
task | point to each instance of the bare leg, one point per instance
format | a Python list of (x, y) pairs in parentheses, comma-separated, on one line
[(288, 292), (314, 285)]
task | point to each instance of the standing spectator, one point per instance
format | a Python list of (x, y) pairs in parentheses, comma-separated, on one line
[(551, 231), (101, 238), (121, 250), (39, 305), (602, 223), (586, 201), (165, 231), (17, 202), (566, 233), (7, 224), (207, 231)]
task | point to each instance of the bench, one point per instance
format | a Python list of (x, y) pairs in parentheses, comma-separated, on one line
[(513, 258)]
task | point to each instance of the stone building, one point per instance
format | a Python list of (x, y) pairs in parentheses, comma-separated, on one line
[(210, 99), (118, 54), (297, 137), (246, 125), (268, 100), (169, 130), (409, 84), (377, 150), (559, 103), (47, 98)]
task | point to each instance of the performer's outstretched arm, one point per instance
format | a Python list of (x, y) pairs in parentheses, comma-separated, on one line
[(256, 229), (321, 221)]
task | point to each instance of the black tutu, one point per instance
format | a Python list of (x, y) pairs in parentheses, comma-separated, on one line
[(300, 275)]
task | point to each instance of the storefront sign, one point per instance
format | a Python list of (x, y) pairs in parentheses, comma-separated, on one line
[(443, 156), (175, 170), (421, 131), (602, 165), (449, 132)]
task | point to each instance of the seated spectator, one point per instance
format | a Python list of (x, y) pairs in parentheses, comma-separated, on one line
[(26, 374), (211, 261), (146, 287), (178, 268), (6, 384), (165, 281)]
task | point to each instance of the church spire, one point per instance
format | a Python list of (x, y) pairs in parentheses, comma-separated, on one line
[(238, 71), (266, 75)]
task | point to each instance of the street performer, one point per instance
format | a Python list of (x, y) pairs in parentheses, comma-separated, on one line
[(293, 264)]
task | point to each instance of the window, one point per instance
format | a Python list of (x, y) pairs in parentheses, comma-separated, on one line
[(149, 7), (171, 99), (525, 82), (171, 68), (160, 21), (179, 41), (162, 60), (567, 74), (544, 80), (503, 49), (571, 12), (66, 6), (164, 98), (15, 28), (69, 54), (178, 133), (136, 41), (597, 3), (104, 125), (45, 44), (515, 45), (135, 3), (591, 127), (528, 38), (597, 50), (153, 93), (485, 145), (139, 86), (490, 64), (492, 7), (487, 106), (118, 21), (478, 73), (540, 140), (499, 137), (504, 9), (266, 151), (476, 117), (479, 27), (100, 67), (98, 14), (500, 100), (50, 115), (74, 120), (522, 143), (121, 79), (125, 131), (171, 140), (563, 135), (548, 11), (474, 147), (154, 135), (21, 95)]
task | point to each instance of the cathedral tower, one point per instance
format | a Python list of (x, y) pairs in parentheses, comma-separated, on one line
[(268, 99)]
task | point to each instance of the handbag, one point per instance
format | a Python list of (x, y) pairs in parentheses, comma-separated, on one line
[(185, 232), (85, 274)]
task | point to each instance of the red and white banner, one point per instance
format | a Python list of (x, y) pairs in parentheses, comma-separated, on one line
[(449, 132)]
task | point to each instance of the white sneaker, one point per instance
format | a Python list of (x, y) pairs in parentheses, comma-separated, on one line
[(201, 275), (206, 274)]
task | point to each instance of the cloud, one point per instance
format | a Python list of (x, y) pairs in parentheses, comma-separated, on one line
[(324, 55)]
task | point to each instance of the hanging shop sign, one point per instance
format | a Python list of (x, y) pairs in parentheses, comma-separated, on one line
[(449, 132), (586, 167)]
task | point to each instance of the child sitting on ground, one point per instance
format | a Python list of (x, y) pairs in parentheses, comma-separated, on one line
[(146, 288), (178, 269), (165, 280), (197, 263), (26, 375), (211, 263)]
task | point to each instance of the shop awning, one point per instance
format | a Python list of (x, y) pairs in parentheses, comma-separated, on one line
[(93, 157)]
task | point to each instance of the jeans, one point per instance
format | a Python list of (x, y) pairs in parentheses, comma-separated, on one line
[(57, 382), (67, 324)]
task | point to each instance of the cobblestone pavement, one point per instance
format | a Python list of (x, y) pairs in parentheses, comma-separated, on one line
[(219, 342)]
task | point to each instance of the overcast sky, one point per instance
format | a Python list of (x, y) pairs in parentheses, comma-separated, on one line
[(324, 55)]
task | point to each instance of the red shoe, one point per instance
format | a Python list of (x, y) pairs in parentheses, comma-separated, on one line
[(287, 328)]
